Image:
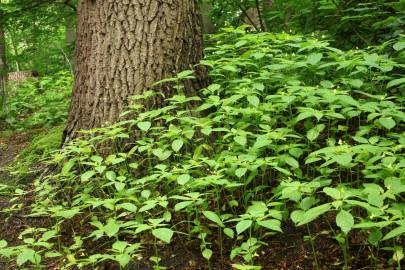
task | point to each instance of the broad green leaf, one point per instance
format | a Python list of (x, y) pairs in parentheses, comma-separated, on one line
[(213, 217), (67, 213), (128, 206), (87, 175), (313, 133), (396, 82), (182, 205), (253, 100), (163, 234), (291, 161), (241, 140), (183, 179), (314, 58), (207, 253), (395, 232), (177, 145), (120, 246), (272, 224), (144, 126), (110, 175), (314, 213), (388, 123), (3, 243), (240, 172), (345, 221), (112, 228), (333, 192), (25, 256), (123, 259), (229, 232), (243, 225), (344, 159), (399, 46)]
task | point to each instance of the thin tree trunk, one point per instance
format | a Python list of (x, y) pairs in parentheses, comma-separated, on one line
[(3, 64), (207, 24), (122, 48)]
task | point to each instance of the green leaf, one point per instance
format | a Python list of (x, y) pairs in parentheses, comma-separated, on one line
[(240, 172), (163, 234), (399, 46), (144, 126), (185, 74), (146, 193), (344, 159), (272, 224), (177, 145), (332, 192), (375, 237), (128, 206), (123, 259), (183, 179), (242, 140), (119, 186), (207, 253), (243, 225), (3, 244), (314, 58), (388, 123), (395, 232), (356, 83), (110, 175), (112, 228), (213, 217), (345, 221), (254, 100), (229, 232), (25, 256), (291, 161), (67, 214), (396, 82), (182, 205), (313, 133), (120, 246), (313, 213), (87, 175)]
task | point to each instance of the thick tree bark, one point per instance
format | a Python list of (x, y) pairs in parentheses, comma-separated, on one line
[(3, 65), (123, 47)]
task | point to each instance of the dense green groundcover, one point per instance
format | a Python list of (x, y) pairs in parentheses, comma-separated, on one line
[(290, 129), (36, 103)]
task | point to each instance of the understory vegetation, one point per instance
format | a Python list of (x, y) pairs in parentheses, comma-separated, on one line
[(291, 132)]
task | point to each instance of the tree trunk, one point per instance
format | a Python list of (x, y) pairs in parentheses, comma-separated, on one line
[(70, 39), (3, 65), (122, 48), (207, 24)]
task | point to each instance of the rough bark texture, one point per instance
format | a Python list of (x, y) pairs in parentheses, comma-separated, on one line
[(123, 47), (3, 66)]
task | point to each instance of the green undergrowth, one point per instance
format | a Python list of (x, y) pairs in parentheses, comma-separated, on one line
[(290, 130), (31, 160), (36, 103)]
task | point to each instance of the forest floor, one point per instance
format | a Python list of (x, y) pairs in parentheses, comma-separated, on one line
[(288, 251)]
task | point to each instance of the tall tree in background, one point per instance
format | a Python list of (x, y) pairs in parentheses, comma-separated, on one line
[(123, 47), (3, 66)]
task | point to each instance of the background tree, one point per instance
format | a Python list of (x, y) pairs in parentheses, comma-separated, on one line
[(3, 66), (123, 47)]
